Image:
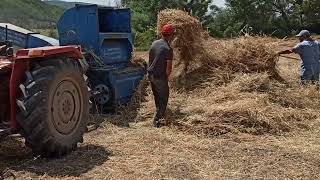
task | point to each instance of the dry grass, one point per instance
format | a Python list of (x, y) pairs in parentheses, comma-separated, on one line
[(195, 50), (188, 29), (250, 103), (142, 152), (234, 85), (245, 54)]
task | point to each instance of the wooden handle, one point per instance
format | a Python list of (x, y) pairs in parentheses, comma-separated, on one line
[(290, 57)]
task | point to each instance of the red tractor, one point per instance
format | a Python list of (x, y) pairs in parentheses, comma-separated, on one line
[(44, 97), (45, 84)]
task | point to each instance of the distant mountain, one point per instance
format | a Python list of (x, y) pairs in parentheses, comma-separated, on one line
[(31, 14), (62, 4)]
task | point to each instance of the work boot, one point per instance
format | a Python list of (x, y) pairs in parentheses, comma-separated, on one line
[(158, 123)]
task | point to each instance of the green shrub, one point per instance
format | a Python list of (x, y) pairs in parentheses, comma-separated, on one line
[(143, 40)]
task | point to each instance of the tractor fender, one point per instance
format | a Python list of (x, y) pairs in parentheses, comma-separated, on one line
[(50, 51), (72, 52)]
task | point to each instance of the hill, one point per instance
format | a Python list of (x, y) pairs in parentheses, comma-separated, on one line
[(32, 14), (62, 4)]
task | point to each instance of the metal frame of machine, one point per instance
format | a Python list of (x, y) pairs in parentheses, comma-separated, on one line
[(106, 36)]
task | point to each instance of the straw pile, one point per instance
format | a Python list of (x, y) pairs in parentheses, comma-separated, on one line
[(187, 27), (188, 36), (244, 54), (194, 50), (233, 85), (250, 103)]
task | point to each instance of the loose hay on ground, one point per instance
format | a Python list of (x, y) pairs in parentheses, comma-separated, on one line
[(251, 103), (233, 85)]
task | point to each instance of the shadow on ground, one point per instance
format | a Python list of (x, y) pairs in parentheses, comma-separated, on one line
[(174, 113), (84, 159)]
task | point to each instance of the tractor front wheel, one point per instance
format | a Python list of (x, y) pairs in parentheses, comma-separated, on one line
[(54, 107)]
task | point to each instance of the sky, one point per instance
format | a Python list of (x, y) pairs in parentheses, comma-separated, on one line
[(102, 2), (219, 3)]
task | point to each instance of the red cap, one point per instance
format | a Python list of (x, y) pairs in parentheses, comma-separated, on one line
[(167, 29)]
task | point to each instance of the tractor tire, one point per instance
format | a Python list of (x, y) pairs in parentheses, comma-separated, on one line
[(54, 107), (5, 97)]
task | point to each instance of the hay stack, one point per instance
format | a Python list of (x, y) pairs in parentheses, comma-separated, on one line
[(244, 54), (194, 50), (187, 27), (230, 85), (250, 103), (236, 92), (188, 36)]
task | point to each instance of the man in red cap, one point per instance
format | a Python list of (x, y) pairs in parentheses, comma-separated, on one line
[(159, 71)]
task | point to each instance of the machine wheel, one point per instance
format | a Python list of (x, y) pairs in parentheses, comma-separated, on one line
[(54, 107)]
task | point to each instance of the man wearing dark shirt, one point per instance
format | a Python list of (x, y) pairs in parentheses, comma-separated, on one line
[(159, 70)]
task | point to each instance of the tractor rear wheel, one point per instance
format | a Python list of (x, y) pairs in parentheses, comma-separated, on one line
[(4, 96), (54, 107)]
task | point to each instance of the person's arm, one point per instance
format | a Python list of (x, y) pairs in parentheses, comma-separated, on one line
[(288, 51), (169, 63), (296, 50)]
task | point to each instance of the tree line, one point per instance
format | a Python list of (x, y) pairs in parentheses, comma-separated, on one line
[(277, 18)]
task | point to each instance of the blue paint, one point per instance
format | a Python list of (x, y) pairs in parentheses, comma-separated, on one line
[(106, 31), (24, 38)]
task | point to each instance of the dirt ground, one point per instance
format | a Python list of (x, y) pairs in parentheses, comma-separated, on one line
[(135, 150)]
